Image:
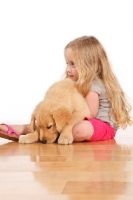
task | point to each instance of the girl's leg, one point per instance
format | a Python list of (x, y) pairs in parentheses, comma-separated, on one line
[(83, 130), (93, 130), (19, 129)]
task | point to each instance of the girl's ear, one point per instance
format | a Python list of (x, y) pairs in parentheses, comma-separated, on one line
[(61, 117)]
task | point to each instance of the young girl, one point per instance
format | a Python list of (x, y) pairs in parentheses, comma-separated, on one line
[(88, 65)]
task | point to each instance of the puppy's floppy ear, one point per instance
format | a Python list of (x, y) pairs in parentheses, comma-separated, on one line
[(61, 117), (34, 115), (32, 124)]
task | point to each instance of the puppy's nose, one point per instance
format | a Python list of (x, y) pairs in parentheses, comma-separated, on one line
[(43, 141)]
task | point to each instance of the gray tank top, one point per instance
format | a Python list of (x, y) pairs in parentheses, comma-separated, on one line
[(104, 104)]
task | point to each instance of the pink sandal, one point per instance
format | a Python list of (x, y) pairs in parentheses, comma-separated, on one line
[(10, 134)]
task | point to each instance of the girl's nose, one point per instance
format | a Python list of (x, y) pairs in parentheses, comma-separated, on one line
[(68, 68)]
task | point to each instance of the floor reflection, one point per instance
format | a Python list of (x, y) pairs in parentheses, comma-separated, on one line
[(100, 167)]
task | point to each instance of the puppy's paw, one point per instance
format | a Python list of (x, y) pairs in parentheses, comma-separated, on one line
[(24, 139), (65, 140)]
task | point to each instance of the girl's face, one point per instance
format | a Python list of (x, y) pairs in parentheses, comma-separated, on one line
[(71, 69)]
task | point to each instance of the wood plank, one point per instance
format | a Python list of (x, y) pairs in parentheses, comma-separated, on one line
[(65, 176), (66, 197), (94, 187)]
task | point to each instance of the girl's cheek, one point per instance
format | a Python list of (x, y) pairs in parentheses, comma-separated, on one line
[(76, 72)]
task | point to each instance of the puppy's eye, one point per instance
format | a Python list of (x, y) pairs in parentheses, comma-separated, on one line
[(48, 127)]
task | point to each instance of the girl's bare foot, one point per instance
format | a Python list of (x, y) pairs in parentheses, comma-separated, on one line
[(12, 132), (20, 129)]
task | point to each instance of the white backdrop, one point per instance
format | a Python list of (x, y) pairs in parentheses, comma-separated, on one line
[(33, 34)]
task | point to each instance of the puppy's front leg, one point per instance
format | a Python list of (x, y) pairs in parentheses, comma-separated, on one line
[(29, 138), (66, 136)]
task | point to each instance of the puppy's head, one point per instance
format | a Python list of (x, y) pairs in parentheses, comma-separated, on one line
[(52, 123)]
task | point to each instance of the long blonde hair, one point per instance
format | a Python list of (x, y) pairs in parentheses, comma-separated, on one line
[(92, 63)]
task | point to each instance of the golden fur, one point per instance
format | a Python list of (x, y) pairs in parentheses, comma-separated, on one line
[(63, 106)]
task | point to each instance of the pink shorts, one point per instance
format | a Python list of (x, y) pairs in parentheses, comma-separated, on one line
[(102, 130)]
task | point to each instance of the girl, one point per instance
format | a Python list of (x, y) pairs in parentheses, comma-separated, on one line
[(88, 65)]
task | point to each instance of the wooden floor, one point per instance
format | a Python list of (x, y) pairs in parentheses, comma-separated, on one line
[(81, 171)]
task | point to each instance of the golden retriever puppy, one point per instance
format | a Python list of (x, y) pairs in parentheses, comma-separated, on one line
[(54, 117)]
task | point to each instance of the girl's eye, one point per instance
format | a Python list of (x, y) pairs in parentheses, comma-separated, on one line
[(72, 64)]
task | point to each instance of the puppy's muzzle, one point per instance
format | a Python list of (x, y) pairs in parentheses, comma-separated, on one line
[(44, 141)]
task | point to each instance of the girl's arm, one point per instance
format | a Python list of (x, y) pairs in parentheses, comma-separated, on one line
[(92, 99)]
